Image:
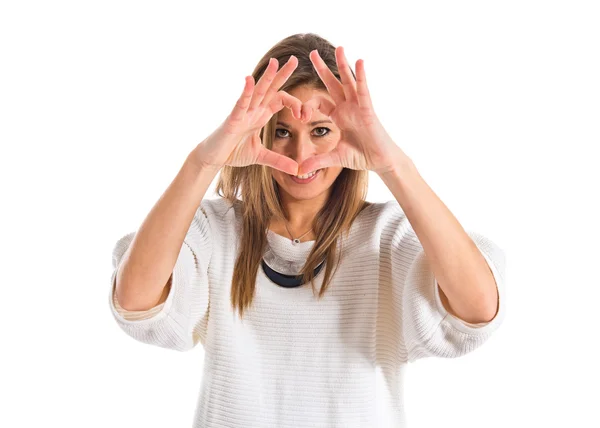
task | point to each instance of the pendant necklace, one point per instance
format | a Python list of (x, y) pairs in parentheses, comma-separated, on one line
[(295, 240)]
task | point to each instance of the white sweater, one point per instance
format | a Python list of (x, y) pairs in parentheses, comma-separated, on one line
[(295, 361)]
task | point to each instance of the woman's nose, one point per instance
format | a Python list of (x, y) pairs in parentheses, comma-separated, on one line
[(303, 148)]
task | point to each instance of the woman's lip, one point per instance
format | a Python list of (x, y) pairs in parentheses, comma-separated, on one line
[(308, 180)]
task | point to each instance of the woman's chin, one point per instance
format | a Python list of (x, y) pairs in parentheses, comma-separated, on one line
[(303, 194)]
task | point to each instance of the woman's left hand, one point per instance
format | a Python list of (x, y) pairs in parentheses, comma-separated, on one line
[(364, 143)]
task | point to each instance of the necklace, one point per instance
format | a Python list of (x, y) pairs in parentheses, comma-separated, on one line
[(295, 240)]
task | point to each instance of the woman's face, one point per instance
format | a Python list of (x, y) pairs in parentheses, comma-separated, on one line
[(299, 141)]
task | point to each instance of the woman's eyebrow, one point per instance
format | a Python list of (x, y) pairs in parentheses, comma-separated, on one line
[(311, 123)]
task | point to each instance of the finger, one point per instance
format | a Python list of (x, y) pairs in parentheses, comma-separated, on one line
[(324, 160), (324, 105), (275, 160), (331, 82), (364, 97), (283, 99), (280, 78), (239, 110), (348, 83), (263, 83)]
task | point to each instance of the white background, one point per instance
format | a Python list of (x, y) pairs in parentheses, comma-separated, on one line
[(497, 103)]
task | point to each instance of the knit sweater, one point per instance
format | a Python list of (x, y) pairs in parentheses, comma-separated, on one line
[(294, 360)]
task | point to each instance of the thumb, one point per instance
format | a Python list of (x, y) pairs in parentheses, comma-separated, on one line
[(275, 160), (324, 160)]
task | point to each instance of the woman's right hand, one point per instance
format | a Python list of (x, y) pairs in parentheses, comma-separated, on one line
[(236, 142)]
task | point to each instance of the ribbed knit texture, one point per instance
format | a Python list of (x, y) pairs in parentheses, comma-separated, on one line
[(295, 361)]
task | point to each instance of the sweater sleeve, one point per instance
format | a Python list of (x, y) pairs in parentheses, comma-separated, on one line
[(135, 315), (181, 321), (426, 328)]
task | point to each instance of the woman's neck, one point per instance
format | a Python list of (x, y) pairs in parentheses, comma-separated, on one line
[(301, 214), (279, 227), (298, 226)]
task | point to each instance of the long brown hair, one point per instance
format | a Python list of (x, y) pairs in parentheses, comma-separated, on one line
[(260, 192)]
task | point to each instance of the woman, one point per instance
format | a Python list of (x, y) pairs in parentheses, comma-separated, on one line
[(233, 273)]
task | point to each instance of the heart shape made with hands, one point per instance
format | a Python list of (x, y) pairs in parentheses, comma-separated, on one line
[(363, 145)]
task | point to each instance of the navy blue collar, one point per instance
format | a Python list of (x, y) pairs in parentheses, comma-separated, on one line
[(288, 281)]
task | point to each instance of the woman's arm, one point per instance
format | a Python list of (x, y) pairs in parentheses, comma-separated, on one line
[(143, 276), (467, 286)]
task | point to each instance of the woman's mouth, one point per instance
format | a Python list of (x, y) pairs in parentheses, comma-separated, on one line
[(305, 178)]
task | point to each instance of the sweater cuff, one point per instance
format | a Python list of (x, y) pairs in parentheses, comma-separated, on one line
[(131, 318), (134, 315), (474, 328)]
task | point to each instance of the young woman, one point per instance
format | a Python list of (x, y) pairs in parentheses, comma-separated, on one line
[(308, 300)]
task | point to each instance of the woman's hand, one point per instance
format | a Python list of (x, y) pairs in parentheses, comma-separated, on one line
[(236, 142), (364, 143)]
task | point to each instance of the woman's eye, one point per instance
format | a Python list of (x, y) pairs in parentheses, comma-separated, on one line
[(280, 136), (324, 132), (322, 135)]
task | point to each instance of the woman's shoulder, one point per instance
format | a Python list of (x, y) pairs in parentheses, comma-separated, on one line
[(379, 213), (222, 214), (372, 220), (218, 204), (379, 220)]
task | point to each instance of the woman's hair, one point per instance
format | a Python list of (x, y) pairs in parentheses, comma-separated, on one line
[(260, 192)]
